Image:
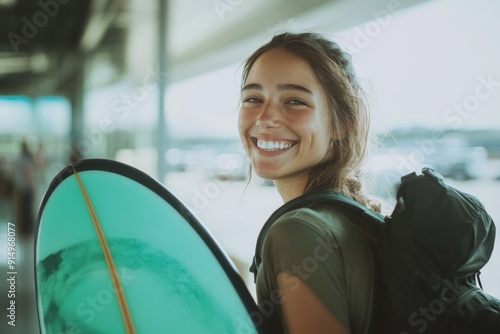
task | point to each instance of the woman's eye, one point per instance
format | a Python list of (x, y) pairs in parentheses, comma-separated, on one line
[(297, 102), (251, 100)]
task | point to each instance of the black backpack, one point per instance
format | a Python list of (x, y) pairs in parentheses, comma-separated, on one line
[(429, 251)]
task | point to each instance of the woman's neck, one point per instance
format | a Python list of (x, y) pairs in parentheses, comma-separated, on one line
[(291, 188)]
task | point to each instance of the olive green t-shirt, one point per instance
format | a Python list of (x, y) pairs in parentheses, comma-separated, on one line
[(320, 247)]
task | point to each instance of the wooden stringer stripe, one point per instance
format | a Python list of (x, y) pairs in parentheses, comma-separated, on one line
[(127, 318)]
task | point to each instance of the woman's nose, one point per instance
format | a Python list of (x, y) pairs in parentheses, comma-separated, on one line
[(269, 116)]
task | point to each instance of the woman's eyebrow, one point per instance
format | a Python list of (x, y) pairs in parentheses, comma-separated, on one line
[(281, 87), (252, 86), (294, 87)]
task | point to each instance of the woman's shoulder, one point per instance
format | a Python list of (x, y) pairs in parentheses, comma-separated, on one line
[(303, 229), (319, 218)]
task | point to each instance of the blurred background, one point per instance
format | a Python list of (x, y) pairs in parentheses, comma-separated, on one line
[(155, 84)]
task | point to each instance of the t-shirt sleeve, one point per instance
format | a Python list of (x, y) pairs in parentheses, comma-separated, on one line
[(299, 245)]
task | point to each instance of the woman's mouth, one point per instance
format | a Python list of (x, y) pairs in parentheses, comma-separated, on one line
[(273, 145)]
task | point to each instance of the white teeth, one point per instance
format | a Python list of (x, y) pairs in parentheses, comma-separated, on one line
[(272, 145)]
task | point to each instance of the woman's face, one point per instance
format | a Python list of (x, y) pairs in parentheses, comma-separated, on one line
[(284, 120)]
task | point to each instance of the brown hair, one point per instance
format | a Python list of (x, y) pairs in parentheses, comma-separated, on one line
[(349, 115)]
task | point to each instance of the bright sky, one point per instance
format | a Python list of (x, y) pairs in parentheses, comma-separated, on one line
[(431, 58)]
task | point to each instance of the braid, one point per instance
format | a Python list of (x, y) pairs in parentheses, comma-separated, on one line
[(353, 189)]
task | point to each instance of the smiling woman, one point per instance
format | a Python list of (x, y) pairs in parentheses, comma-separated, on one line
[(304, 125), (282, 89)]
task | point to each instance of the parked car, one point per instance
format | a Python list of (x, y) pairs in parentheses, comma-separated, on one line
[(460, 163)]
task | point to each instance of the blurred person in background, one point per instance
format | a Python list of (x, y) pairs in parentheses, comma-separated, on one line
[(40, 160), (5, 189), (24, 191)]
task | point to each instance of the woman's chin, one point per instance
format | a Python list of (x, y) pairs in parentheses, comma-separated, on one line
[(268, 175)]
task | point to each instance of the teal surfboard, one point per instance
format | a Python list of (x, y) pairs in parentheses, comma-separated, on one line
[(116, 252)]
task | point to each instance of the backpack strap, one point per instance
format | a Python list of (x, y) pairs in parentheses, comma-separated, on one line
[(328, 196)]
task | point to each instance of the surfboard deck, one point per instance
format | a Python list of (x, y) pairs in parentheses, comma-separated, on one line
[(116, 252)]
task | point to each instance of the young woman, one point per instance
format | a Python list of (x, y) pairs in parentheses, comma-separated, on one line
[(304, 125)]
